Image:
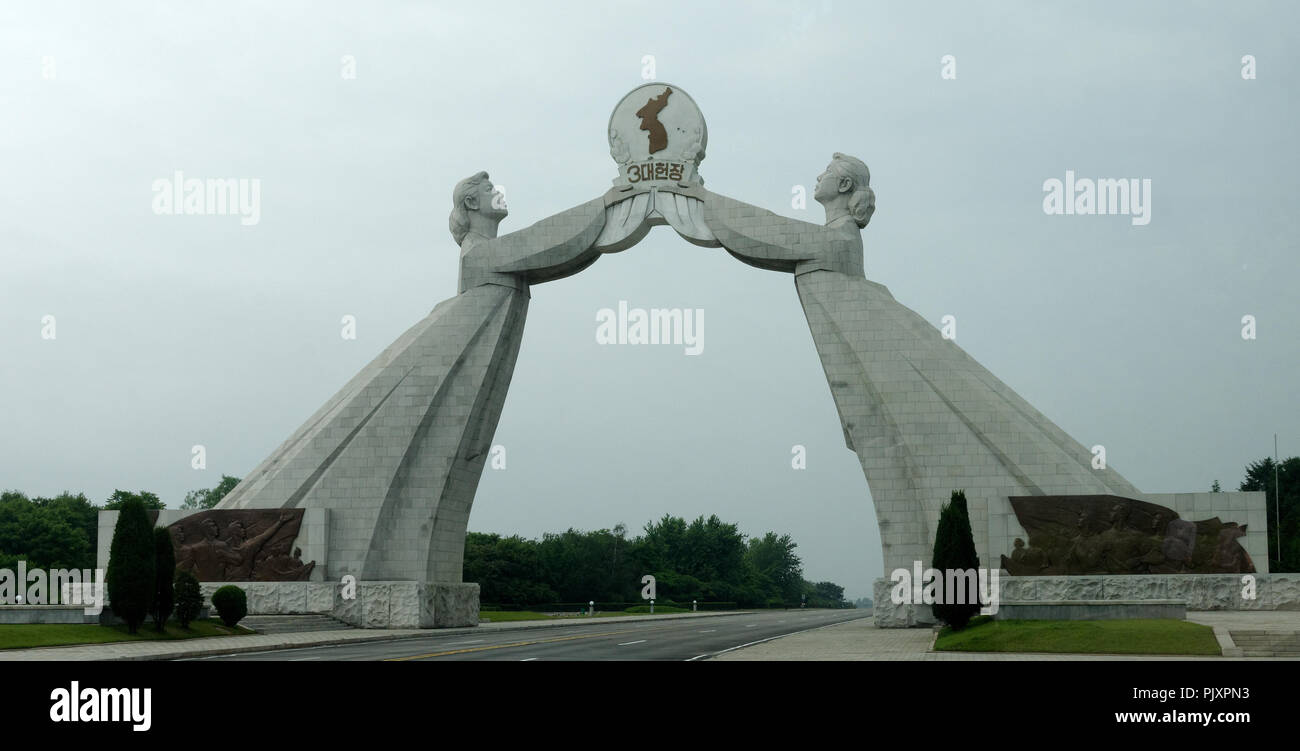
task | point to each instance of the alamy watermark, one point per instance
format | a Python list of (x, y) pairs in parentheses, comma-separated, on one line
[(1085, 196), (76, 704), (178, 195), (60, 586), (682, 327), (948, 587)]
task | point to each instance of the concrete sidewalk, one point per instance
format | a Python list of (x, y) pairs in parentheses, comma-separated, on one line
[(224, 645), (861, 640)]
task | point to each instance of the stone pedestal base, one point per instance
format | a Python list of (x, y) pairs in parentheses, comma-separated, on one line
[(889, 615), (449, 605), (1199, 591), (376, 604)]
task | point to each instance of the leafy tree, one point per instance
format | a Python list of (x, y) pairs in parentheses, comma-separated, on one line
[(954, 550), (77, 512), (131, 565), (663, 545), (203, 499), (671, 586), (506, 569), (777, 571), (1259, 476), (579, 566), (164, 572), (48, 533), (189, 598), (824, 595), (120, 497), (713, 550)]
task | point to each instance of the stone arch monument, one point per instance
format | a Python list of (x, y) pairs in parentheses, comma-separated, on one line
[(395, 457)]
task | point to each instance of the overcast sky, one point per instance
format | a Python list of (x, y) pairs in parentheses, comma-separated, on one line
[(173, 331)]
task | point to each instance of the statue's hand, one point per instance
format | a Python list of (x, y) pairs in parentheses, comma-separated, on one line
[(625, 223), (630, 219)]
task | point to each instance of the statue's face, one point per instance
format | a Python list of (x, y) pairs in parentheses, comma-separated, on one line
[(487, 201), (830, 184)]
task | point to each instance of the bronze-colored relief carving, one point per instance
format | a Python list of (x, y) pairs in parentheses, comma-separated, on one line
[(240, 545), (1108, 534)]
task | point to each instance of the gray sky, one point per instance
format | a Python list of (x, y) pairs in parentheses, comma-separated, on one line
[(181, 330)]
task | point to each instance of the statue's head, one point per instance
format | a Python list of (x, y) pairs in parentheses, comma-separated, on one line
[(845, 186), (210, 529), (474, 196), (235, 531)]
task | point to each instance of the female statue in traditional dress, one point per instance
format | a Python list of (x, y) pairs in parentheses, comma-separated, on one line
[(922, 415), (397, 453)]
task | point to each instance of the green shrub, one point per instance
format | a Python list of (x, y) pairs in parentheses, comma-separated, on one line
[(189, 598), (131, 565), (231, 604), (954, 550), (164, 571)]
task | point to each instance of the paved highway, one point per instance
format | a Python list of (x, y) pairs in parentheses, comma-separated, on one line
[(675, 639)]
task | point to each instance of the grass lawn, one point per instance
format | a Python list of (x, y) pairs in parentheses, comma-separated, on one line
[(22, 635), (1143, 636)]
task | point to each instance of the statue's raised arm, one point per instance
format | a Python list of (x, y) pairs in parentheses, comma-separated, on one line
[(558, 246), (770, 241)]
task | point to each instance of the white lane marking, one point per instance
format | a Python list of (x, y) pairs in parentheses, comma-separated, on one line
[(304, 659), (629, 643), (750, 626), (528, 659), (471, 641), (709, 631)]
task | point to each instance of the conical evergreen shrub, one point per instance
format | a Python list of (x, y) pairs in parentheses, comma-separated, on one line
[(954, 550), (131, 565)]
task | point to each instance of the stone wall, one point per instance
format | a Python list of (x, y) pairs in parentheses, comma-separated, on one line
[(1199, 591)]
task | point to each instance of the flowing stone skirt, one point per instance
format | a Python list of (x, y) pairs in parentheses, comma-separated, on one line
[(925, 419), (397, 453)]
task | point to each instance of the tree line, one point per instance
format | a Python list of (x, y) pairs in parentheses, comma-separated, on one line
[(708, 560)]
